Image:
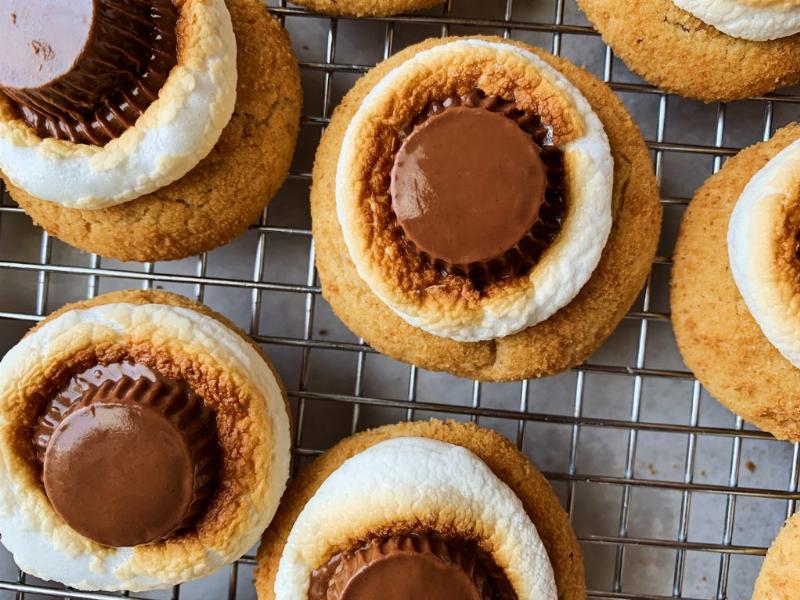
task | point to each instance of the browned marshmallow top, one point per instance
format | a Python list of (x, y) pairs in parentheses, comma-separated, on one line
[(85, 70), (128, 456), (400, 567)]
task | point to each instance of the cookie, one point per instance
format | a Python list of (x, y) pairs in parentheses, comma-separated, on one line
[(538, 307), (676, 51), (734, 344), (229, 152), (780, 571), (431, 478), (144, 442), (364, 8)]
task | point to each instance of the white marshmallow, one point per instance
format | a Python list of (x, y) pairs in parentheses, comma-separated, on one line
[(757, 21), (405, 480), (42, 544), (564, 268), (174, 134), (769, 287)]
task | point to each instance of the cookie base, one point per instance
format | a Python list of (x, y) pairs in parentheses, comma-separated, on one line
[(568, 337), (677, 52), (507, 463), (716, 334), (781, 569), (227, 191), (366, 8)]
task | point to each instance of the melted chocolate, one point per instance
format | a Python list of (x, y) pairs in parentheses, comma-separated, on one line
[(128, 456), (85, 70), (399, 567)]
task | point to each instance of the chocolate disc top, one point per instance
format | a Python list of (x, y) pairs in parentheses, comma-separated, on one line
[(85, 70), (42, 39), (411, 566), (467, 184), (128, 456)]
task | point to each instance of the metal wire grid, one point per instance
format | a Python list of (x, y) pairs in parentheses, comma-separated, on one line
[(577, 422)]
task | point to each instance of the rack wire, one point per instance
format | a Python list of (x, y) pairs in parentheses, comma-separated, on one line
[(649, 530)]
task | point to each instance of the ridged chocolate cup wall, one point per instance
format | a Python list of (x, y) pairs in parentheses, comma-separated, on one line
[(128, 456), (89, 71)]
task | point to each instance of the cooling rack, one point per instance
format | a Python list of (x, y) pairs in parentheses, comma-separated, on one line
[(671, 495)]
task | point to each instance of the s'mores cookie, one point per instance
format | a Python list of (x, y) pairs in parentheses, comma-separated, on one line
[(483, 208), (735, 284), (442, 511), (144, 442), (705, 49), (149, 129)]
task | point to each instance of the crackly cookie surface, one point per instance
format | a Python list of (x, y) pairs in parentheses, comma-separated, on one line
[(658, 40), (363, 8), (781, 569), (466, 489), (150, 373), (718, 336), (228, 189), (561, 340)]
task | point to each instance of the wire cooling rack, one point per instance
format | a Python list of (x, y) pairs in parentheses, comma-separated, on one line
[(670, 494)]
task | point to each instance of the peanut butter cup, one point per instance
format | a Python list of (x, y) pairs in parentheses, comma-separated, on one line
[(411, 566), (476, 189), (85, 70), (128, 456)]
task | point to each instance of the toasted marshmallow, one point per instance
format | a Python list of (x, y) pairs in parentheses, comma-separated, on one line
[(44, 545), (757, 20), (419, 482), (762, 248), (565, 266), (173, 135)]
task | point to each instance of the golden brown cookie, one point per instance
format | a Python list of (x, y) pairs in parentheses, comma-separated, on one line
[(227, 191), (781, 569), (677, 52), (504, 460), (718, 337), (113, 347), (361, 8), (560, 342)]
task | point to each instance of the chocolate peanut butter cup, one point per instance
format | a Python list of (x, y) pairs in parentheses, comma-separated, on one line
[(86, 70), (476, 188), (411, 566), (128, 456), (135, 456)]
